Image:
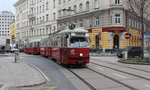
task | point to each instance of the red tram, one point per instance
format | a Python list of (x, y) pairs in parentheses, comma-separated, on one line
[(69, 46), (32, 47)]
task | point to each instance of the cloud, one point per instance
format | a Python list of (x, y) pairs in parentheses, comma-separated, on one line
[(7, 5)]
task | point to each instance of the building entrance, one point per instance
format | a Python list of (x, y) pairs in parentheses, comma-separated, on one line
[(116, 42)]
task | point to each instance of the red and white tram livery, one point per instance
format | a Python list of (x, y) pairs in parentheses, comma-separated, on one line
[(70, 46)]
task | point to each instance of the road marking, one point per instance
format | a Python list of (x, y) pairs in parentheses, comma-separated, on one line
[(99, 68), (147, 86), (39, 88), (39, 71), (119, 75)]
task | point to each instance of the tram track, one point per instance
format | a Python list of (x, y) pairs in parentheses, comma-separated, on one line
[(106, 76), (148, 79), (128, 86), (124, 66), (84, 81)]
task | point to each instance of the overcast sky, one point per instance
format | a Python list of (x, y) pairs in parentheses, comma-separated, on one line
[(7, 5)]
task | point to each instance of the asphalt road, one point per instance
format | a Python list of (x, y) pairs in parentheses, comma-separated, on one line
[(56, 79), (109, 75)]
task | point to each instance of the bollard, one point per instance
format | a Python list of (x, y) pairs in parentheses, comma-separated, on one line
[(16, 56)]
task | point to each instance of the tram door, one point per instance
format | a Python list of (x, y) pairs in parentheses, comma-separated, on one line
[(116, 42)]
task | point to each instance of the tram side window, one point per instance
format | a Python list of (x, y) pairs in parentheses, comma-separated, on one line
[(59, 41), (62, 41), (65, 42), (49, 42), (31, 45), (38, 44), (45, 43), (41, 44), (34, 44)]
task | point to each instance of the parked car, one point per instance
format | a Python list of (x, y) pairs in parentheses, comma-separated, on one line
[(120, 54), (13, 50), (132, 51)]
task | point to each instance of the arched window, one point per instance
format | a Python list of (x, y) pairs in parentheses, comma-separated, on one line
[(87, 6), (96, 4), (81, 7), (75, 8)]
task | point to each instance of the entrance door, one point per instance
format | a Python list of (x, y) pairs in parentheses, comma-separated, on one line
[(116, 42)]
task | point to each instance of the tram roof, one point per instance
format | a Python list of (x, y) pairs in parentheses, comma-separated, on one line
[(74, 30)]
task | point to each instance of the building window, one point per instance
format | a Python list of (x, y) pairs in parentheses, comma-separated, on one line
[(46, 5), (87, 6), (43, 8), (64, 13), (117, 1), (87, 22), (59, 1), (96, 4), (75, 8), (59, 13), (129, 22), (80, 7), (97, 21), (40, 9), (81, 23), (117, 18), (54, 3), (54, 16), (47, 17), (64, 1), (54, 29)]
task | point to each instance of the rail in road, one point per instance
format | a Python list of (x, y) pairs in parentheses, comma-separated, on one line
[(122, 71), (123, 66), (94, 88)]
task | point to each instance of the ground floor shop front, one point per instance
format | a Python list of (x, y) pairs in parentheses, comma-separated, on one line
[(113, 38)]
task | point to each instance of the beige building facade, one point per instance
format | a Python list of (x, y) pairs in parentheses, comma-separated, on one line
[(35, 19), (106, 20)]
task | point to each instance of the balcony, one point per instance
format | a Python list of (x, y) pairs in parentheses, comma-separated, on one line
[(31, 16), (32, 6), (31, 27), (116, 6)]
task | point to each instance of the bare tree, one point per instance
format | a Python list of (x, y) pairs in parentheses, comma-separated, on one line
[(141, 9)]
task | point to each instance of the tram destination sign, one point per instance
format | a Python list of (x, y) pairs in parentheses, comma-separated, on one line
[(80, 34)]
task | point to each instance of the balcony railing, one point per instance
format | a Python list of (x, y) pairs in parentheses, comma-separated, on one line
[(31, 16)]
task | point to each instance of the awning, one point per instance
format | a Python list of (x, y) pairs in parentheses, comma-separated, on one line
[(112, 29)]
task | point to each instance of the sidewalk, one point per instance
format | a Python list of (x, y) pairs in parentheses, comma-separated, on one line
[(18, 74)]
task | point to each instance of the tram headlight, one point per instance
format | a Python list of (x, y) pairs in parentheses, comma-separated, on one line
[(81, 54), (87, 35)]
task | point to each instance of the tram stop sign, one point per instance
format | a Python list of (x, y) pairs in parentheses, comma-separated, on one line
[(127, 35)]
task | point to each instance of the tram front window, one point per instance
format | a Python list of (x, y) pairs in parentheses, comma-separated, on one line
[(79, 42)]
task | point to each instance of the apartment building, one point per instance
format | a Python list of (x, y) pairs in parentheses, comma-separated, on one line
[(5, 19), (12, 33), (106, 20), (35, 19)]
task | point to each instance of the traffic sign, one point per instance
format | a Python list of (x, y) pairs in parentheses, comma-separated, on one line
[(13, 37), (127, 35)]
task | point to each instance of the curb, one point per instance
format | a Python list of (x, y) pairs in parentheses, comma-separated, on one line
[(133, 63)]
